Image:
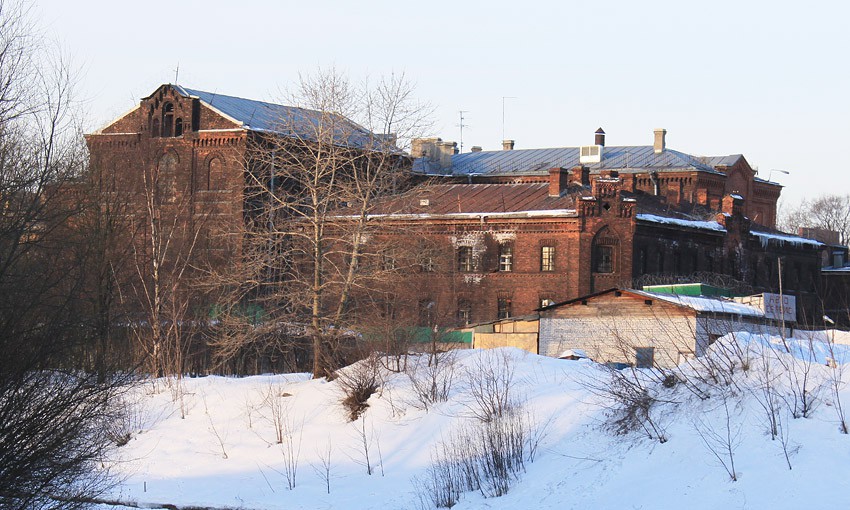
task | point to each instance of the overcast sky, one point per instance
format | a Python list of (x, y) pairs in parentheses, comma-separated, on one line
[(767, 79)]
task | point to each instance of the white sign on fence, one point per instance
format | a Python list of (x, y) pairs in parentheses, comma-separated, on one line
[(780, 307)]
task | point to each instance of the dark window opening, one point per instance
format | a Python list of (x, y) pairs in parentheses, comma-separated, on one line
[(155, 128), (603, 259), (464, 259), (178, 127), (427, 312), (464, 312), (503, 307), (167, 119), (647, 302), (644, 357)]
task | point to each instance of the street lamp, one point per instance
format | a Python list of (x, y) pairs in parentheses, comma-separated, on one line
[(775, 170)]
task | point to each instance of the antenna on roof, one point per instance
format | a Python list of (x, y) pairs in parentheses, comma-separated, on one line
[(462, 125), (176, 73), (503, 113)]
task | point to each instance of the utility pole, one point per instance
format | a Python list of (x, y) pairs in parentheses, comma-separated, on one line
[(503, 113)]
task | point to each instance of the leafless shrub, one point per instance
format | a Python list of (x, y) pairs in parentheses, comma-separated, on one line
[(633, 400), (721, 441), (805, 386), (364, 453), (214, 430), (325, 467), (126, 418), (358, 382), (275, 410), (836, 382), (484, 456), (489, 381), (431, 376), (290, 447)]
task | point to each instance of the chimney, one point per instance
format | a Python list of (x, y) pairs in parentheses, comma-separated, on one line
[(424, 147), (581, 175), (660, 140), (475, 148), (446, 151), (507, 145), (558, 180), (599, 139), (732, 204)]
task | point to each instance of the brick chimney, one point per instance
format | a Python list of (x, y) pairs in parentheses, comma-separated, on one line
[(559, 178), (660, 142), (507, 145), (732, 204), (580, 175)]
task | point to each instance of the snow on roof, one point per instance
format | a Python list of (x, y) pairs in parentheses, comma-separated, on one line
[(711, 305), (704, 225), (796, 241)]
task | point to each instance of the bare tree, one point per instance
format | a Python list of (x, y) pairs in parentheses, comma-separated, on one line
[(309, 248), (52, 416), (828, 212)]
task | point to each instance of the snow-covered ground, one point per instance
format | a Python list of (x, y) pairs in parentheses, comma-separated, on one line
[(215, 442)]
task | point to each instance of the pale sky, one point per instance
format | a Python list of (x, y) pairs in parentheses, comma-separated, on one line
[(767, 79)]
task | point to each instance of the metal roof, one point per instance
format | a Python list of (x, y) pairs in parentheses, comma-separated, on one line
[(443, 199), (626, 159), (286, 120)]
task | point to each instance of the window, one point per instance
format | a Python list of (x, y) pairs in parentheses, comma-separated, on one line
[(644, 357), (604, 259), (464, 312), (427, 264), (464, 259), (178, 127), (427, 312), (388, 262), (547, 258), (503, 307), (506, 257), (167, 119)]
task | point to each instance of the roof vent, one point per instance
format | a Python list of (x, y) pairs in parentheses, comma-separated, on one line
[(475, 148), (590, 154), (599, 138)]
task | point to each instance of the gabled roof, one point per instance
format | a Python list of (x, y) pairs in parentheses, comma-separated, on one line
[(699, 304), (254, 115), (626, 159), (289, 121)]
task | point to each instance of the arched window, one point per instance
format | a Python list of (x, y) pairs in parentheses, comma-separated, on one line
[(178, 127), (603, 253), (167, 119), (215, 175), (166, 177)]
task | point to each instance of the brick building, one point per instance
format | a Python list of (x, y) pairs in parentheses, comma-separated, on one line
[(506, 231), (533, 227), (193, 159)]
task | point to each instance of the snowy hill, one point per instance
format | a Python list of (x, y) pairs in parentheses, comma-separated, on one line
[(284, 441)]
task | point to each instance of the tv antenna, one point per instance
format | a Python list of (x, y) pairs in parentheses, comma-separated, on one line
[(176, 73), (461, 126), (503, 113)]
